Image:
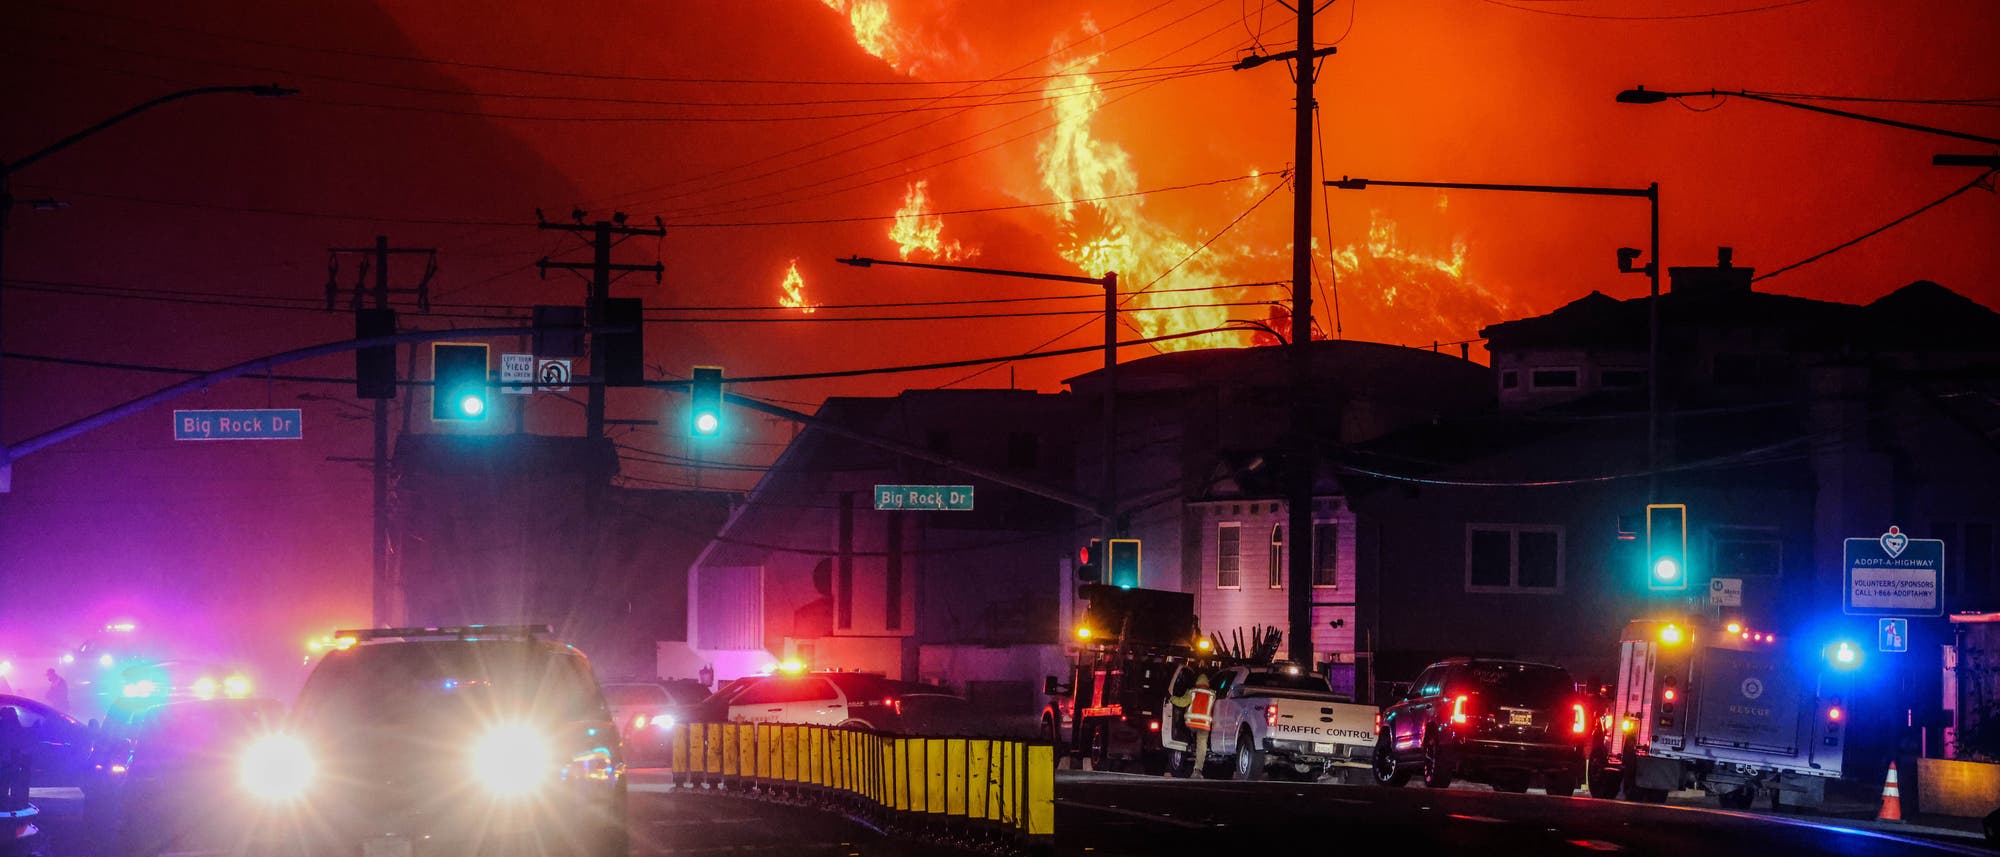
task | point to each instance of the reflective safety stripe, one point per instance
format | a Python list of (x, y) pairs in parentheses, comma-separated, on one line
[(1199, 707)]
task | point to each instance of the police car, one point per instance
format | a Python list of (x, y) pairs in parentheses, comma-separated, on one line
[(845, 699), (455, 740)]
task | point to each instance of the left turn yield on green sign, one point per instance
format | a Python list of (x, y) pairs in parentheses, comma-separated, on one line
[(268, 424)]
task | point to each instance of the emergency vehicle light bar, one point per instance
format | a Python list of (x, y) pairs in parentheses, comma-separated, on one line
[(449, 632)]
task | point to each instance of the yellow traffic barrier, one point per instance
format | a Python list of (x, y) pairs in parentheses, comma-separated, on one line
[(954, 776), (898, 772), (746, 750), (915, 757), (1041, 798), (677, 754), (731, 755), (979, 755), (934, 766), (816, 775), (713, 764), (1009, 778)]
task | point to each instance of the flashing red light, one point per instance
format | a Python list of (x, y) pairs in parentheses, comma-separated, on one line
[(1271, 715), (1770, 638), (1155, 725), (1833, 713), (1746, 635), (1668, 695), (1458, 710), (1378, 721), (1576, 723)]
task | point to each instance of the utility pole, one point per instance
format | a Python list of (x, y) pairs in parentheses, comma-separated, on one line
[(388, 588), (1299, 437), (602, 234)]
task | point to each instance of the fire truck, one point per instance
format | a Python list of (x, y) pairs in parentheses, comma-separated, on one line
[(1736, 711), (1128, 645)]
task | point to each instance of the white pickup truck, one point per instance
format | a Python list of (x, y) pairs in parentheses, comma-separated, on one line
[(1277, 719)]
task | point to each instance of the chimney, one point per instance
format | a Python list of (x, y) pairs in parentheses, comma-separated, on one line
[(1723, 279)]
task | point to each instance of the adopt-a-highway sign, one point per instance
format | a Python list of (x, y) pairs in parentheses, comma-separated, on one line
[(1893, 575)]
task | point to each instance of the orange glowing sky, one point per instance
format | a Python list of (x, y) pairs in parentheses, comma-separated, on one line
[(775, 136)]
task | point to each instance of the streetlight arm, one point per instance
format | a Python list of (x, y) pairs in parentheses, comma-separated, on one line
[(1363, 184), (864, 262), (269, 91), (1643, 95)]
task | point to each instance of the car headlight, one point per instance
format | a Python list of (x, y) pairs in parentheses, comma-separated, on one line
[(512, 760), (663, 721), (277, 768)]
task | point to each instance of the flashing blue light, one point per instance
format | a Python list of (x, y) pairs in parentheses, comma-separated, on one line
[(1845, 656), (451, 684)]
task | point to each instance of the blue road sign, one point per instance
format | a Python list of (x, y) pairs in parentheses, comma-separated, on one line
[(1893, 575), (1892, 635), (274, 424)]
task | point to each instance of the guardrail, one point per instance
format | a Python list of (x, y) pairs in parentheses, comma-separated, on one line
[(969, 791)]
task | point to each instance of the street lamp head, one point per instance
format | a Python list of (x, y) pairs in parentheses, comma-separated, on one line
[(1345, 183), (856, 261), (1641, 95)]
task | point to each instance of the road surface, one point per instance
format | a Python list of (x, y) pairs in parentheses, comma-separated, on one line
[(1099, 814)]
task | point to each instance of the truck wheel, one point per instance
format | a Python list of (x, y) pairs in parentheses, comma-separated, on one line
[(1597, 775), (1180, 764), (1383, 766), (1249, 759), (1636, 794), (1437, 765), (1561, 785)]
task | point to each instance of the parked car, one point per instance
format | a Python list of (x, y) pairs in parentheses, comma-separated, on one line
[(853, 699), (163, 766), (1499, 722), (443, 741), (59, 755), (646, 713)]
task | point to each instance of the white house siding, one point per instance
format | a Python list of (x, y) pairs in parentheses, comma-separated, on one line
[(1254, 602)]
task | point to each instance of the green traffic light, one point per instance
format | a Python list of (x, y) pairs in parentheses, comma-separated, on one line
[(707, 424), (472, 405)]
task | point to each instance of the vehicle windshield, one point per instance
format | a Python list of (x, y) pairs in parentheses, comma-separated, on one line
[(394, 682), (636, 694), (1519, 684), (1281, 680)]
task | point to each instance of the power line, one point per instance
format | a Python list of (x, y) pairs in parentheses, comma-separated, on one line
[(1984, 179), (1681, 17), (511, 69), (1983, 101)]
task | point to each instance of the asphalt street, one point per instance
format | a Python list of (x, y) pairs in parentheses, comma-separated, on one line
[(1118, 814), (1106, 813)]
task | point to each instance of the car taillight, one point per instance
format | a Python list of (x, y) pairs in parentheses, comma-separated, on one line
[(1458, 709), (1155, 725), (1378, 721), (1576, 723), (1271, 715)]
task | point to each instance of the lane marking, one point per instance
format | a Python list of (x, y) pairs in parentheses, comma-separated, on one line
[(1165, 819)]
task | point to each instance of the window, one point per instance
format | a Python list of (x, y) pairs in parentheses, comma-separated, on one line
[(1513, 558), (1227, 546), (1326, 554), (1622, 379), (1746, 552), (776, 690), (1277, 564), (1510, 379), (1553, 379)]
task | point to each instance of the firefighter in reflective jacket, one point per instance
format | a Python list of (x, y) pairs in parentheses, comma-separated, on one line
[(1200, 704)]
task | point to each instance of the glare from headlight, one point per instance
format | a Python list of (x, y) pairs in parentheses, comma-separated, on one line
[(277, 768), (512, 760), (663, 721)]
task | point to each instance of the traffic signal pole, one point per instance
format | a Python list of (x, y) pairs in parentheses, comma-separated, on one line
[(387, 584)]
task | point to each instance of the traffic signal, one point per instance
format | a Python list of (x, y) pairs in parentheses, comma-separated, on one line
[(1124, 559), (458, 381), (705, 418), (1090, 562), (624, 351), (375, 365), (1666, 547)]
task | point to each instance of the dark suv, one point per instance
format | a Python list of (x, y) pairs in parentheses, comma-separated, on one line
[(414, 741), (1492, 721)]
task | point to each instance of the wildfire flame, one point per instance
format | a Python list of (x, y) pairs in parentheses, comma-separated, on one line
[(907, 50), (793, 290), (1403, 295), (917, 232), (1115, 234)]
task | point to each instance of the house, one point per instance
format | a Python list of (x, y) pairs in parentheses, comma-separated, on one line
[(1788, 425), (808, 568)]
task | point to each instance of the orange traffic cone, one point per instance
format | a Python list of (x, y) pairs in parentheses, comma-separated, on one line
[(1892, 798)]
